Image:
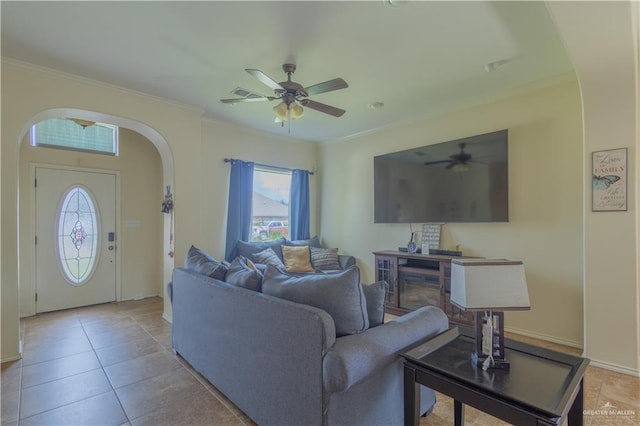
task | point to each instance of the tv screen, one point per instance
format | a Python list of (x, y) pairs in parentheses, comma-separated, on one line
[(464, 180)]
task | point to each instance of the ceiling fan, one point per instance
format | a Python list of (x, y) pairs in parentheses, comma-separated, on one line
[(457, 162), (291, 94)]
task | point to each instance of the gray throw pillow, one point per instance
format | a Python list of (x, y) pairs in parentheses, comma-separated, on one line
[(200, 262), (325, 259), (248, 249), (339, 294), (243, 273), (311, 242), (269, 257), (376, 295)]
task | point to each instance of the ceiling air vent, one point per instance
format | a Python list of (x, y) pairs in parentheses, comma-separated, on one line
[(239, 91)]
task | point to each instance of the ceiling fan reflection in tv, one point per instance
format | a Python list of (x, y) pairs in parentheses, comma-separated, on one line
[(405, 191)]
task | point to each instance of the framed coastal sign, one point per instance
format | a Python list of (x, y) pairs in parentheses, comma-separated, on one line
[(609, 180)]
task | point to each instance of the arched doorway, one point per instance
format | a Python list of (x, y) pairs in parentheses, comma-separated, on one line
[(131, 223)]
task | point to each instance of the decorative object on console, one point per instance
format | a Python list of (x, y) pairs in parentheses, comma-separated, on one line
[(489, 287), (431, 236), (445, 252), (412, 247)]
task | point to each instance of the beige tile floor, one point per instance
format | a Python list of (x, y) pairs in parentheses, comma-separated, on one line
[(108, 364), (113, 365)]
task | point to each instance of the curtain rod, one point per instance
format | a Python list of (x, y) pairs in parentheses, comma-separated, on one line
[(229, 160)]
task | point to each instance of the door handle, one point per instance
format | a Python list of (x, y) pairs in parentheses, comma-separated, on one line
[(111, 248)]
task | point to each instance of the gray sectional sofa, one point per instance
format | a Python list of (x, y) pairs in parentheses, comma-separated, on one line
[(282, 363)]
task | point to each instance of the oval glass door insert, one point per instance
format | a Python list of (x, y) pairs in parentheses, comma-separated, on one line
[(77, 235)]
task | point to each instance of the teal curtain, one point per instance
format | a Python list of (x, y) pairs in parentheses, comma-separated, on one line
[(239, 209), (299, 205)]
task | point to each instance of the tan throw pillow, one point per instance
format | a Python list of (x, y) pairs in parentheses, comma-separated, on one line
[(297, 259)]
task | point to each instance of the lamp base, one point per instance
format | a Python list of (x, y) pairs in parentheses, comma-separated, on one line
[(498, 364), (490, 339)]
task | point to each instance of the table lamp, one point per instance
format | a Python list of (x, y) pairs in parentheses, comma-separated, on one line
[(489, 287)]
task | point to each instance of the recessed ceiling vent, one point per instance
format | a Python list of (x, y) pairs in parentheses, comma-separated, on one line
[(245, 93)]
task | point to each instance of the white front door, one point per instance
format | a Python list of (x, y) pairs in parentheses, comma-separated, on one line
[(75, 238)]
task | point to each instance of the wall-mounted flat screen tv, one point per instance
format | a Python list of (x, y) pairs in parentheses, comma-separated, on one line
[(464, 180)]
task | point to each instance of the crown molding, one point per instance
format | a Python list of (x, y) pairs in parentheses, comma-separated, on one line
[(97, 83)]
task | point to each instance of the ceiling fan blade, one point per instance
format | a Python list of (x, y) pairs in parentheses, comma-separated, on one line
[(429, 163), (238, 100), (327, 109), (327, 86), (265, 79)]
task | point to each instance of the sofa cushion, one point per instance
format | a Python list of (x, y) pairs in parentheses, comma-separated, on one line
[(339, 294), (243, 273), (269, 257), (376, 295), (248, 249), (325, 259), (202, 263), (297, 259), (311, 242)]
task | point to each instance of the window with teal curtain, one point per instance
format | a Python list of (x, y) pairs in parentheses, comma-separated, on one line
[(299, 205), (240, 206)]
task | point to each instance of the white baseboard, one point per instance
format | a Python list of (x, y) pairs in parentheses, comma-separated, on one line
[(167, 317), (614, 367), (593, 362), (11, 358), (136, 298), (545, 337)]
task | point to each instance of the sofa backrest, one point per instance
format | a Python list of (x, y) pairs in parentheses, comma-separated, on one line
[(261, 351)]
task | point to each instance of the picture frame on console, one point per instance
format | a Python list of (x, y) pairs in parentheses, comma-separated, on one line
[(609, 180)]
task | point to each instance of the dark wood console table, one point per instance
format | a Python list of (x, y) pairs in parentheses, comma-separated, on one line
[(542, 387), (417, 280)]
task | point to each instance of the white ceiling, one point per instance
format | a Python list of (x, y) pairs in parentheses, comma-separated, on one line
[(419, 58)]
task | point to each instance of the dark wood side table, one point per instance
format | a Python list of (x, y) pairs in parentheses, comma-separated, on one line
[(542, 387)]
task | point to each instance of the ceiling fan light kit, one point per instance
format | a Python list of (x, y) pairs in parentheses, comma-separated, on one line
[(291, 94)]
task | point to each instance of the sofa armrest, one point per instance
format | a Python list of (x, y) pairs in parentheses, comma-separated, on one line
[(353, 358), (346, 261)]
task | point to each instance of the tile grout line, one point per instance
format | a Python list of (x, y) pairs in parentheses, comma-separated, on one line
[(105, 373), (197, 377), (74, 402), (208, 388)]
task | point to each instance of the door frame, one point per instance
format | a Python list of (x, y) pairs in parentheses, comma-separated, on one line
[(32, 227)]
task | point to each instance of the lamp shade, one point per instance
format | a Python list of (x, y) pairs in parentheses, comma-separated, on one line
[(489, 285)]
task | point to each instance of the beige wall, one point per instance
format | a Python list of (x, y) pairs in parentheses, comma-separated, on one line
[(29, 93), (545, 189), (609, 87), (140, 229)]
